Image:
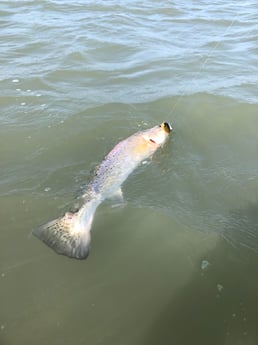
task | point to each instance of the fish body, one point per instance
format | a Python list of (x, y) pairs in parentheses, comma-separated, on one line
[(70, 235)]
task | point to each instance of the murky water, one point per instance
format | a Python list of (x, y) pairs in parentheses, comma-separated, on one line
[(178, 263)]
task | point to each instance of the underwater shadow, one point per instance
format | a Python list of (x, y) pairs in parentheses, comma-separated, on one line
[(218, 306)]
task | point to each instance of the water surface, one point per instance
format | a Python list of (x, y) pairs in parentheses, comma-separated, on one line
[(177, 264)]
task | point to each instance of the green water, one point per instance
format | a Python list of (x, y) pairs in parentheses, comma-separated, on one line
[(177, 263)]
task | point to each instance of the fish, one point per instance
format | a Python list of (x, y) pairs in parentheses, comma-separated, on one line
[(70, 235)]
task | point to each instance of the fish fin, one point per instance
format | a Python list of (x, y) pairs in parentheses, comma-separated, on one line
[(117, 198), (64, 236)]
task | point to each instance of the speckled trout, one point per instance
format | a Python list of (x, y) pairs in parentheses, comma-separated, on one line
[(70, 235)]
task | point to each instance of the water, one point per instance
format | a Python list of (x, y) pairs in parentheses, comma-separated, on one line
[(177, 264)]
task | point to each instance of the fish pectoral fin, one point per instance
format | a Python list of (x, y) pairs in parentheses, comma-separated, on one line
[(117, 198)]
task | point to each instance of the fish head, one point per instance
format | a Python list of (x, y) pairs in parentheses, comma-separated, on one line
[(158, 134)]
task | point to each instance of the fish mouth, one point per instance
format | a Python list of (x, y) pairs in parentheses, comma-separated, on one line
[(166, 126)]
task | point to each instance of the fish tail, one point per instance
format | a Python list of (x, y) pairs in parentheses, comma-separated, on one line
[(69, 235)]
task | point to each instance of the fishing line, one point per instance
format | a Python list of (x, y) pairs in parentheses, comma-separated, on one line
[(210, 53)]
